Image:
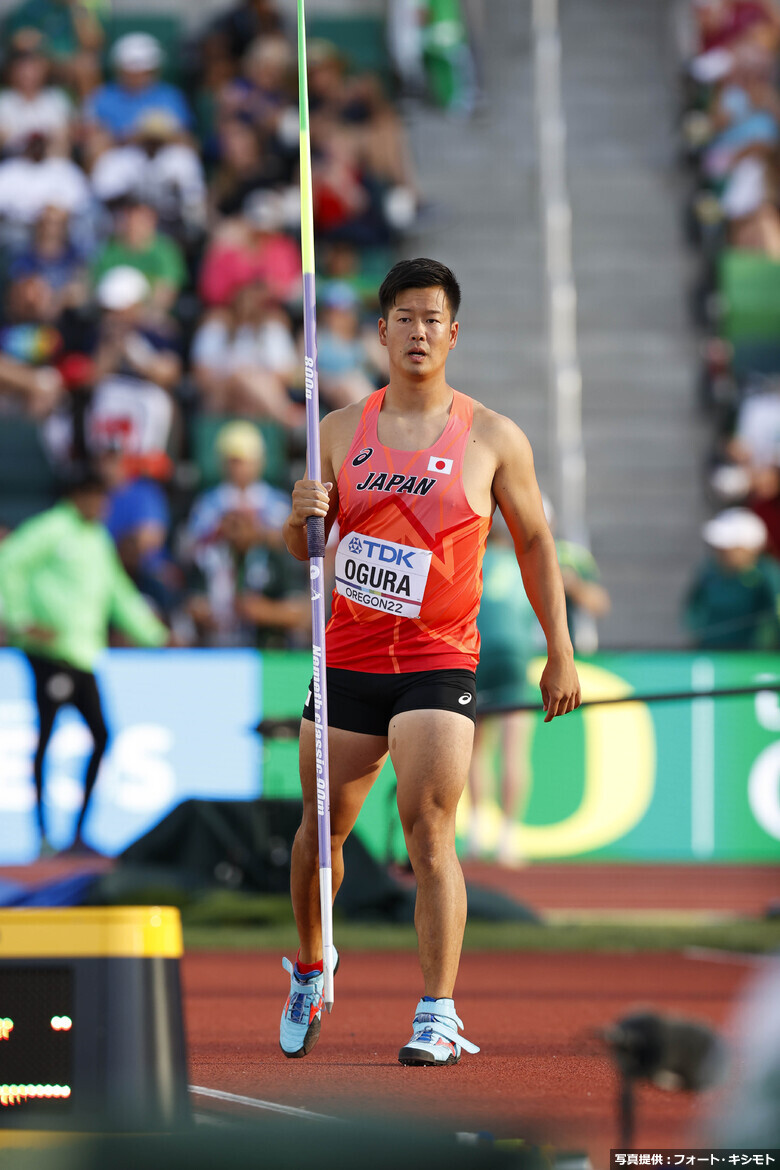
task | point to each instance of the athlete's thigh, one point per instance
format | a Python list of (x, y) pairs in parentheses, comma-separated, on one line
[(431, 754), (355, 760)]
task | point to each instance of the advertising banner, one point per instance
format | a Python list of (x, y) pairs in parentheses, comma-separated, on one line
[(181, 724), (689, 780)]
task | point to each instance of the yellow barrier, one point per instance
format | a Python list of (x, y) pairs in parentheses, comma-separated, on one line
[(91, 932)]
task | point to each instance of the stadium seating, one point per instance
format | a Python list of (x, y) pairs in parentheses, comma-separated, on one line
[(27, 482)]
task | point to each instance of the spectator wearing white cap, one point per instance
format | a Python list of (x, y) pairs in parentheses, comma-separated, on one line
[(231, 536), (733, 602), (137, 59), (136, 367)]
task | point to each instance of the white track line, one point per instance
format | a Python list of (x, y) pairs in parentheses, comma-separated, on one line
[(256, 1103), (307, 1115)]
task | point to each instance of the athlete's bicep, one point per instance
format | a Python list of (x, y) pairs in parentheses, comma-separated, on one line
[(515, 488)]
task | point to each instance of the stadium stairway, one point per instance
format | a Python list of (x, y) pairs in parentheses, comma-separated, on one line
[(644, 441), (479, 178)]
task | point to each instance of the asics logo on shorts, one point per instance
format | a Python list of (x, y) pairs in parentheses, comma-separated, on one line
[(464, 699)]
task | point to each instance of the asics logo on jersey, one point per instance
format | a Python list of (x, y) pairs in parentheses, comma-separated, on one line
[(464, 699), (413, 485), (362, 456)]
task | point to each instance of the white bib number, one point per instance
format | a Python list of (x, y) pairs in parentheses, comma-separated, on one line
[(382, 575)]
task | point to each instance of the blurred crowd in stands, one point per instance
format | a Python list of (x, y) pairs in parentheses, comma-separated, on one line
[(731, 137), (150, 280)]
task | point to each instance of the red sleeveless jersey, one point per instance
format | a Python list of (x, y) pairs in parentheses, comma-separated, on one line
[(409, 561)]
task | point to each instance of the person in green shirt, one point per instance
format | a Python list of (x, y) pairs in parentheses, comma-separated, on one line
[(61, 587), (138, 244), (733, 602)]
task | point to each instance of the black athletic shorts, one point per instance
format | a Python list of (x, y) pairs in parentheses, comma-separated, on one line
[(367, 702), (58, 684)]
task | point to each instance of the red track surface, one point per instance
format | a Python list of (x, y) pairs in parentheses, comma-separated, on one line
[(542, 1074), (737, 889)]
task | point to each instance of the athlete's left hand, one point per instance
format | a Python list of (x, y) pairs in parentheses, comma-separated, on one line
[(560, 686)]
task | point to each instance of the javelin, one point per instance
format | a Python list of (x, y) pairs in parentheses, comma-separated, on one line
[(315, 526)]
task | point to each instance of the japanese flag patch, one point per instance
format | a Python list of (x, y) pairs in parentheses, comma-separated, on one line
[(443, 466)]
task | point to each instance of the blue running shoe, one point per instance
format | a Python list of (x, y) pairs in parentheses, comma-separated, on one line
[(435, 1037), (299, 1029)]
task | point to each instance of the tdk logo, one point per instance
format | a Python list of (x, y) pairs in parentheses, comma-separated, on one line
[(373, 550)]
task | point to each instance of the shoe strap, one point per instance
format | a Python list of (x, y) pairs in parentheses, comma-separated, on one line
[(307, 986), (443, 1021)]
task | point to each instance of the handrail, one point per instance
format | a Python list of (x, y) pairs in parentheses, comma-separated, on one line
[(567, 451)]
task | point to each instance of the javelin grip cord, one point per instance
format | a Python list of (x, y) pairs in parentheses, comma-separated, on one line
[(315, 536)]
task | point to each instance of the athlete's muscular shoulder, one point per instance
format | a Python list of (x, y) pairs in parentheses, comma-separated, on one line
[(497, 433), (498, 451), (337, 431)]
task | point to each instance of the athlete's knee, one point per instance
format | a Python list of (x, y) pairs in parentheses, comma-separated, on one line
[(430, 840)]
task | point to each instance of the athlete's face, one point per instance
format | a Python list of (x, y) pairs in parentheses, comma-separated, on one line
[(419, 332)]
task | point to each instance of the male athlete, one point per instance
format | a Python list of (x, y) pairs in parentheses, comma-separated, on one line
[(413, 474)]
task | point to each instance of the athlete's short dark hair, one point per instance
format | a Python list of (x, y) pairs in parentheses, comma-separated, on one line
[(419, 273)]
